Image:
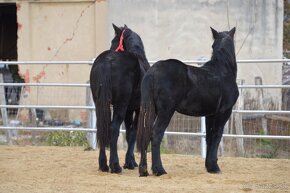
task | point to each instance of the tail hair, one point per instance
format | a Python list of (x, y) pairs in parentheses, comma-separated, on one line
[(103, 101), (146, 118)]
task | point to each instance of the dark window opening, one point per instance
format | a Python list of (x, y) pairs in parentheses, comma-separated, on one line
[(8, 51)]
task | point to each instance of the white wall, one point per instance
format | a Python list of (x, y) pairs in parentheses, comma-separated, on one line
[(180, 29)]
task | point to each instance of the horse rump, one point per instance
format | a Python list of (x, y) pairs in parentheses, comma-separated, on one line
[(100, 81)]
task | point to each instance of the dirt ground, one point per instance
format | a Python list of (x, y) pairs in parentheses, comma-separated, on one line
[(72, 170)]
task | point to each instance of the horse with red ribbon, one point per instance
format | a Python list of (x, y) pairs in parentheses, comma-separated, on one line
[(115, 80)]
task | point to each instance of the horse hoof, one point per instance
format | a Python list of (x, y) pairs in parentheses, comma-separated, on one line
[(143, 174), (158, 171), (116, 168), (104, 168), (143, 171), (129, 166), (214, 169)]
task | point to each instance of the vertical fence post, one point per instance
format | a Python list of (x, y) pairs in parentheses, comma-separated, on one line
[(4, 111), (238, 118), (203, 141), (91, 136), (93, 125)]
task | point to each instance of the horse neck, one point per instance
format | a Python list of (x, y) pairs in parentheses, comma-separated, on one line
[(225, 59)]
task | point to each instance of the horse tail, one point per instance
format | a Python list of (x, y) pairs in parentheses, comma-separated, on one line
[(147, 114), (103, 101)]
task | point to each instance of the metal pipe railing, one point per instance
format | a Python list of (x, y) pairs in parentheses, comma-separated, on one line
[(46, 107), (150, 61), (88, 85), (47, 84), (123, 131), (93, 108)]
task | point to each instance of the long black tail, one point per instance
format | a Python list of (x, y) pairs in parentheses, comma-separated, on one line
[(147, 114), (102, 96)]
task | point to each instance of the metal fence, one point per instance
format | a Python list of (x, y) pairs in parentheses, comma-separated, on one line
[(183, 131)]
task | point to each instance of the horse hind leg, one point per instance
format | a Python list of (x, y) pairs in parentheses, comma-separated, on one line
[(161, 123), (102, 156), (103, 160), (118, 117), (214, 131), (131, 130)]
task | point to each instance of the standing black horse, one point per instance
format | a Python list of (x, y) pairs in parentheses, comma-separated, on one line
[(115, 80), (170, 86)]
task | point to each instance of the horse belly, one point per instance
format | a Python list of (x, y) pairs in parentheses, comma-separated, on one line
[(198, 107)]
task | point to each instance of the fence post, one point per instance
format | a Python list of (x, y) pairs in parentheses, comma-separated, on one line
[(4, 111), (91, 136), (260, 96), (238, 118), (203, 141)]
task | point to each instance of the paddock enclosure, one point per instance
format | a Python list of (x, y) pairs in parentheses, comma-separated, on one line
[(49, 103), (31, 169)]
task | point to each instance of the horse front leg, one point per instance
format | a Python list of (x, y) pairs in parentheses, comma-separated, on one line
[(214, 131), (131, 130)]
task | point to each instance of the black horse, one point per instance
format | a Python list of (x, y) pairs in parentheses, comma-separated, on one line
[(115, 80), (170, 86)]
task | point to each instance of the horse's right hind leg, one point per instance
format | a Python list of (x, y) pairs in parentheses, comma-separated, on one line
[(131, 131), (161, 122), (118, 117), (103, 160)]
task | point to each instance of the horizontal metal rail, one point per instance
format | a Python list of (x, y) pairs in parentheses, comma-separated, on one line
[(261, 112), (150, 61), (167, 132), (47, 84), (47, 128), (230, 135), (47, 62), (264, 86), (93, 108), (88, 85), (46, 107)]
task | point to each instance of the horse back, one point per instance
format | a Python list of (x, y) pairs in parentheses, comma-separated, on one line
[(123, 71), (209, 92), (194, 91)]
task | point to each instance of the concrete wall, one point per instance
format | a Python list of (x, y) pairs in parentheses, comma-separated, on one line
[(180, 29), (59, 30)]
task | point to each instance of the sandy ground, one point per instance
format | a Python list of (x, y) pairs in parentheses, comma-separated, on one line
[(72, 170)]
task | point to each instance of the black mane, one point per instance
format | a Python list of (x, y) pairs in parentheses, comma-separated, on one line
[(224, 52), (132, 43)]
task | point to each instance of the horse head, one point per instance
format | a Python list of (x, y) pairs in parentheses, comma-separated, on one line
[(224, 49), (220, 38), (127, 40)]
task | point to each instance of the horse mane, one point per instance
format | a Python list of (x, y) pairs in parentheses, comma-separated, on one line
[(134, 45), (224, 53)]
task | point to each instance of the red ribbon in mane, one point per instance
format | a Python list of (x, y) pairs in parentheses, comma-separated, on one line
[(120, 47)]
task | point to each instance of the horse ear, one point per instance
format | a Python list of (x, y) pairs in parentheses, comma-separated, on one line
[(214, 33), (125, 26), (117, 30), (232, 32)]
